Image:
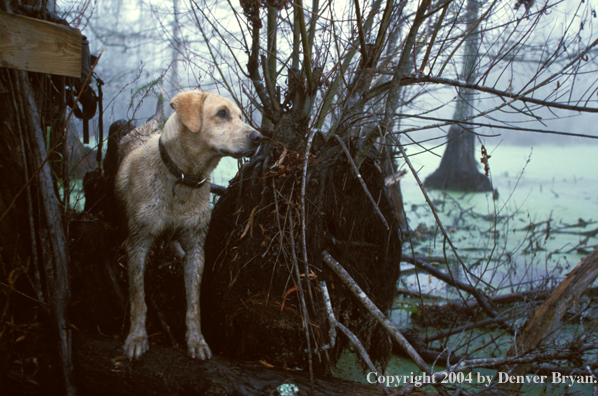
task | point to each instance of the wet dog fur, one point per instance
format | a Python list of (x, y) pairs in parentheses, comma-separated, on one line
[(204, 128)]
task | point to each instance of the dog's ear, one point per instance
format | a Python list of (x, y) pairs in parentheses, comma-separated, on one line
[(189, 107)]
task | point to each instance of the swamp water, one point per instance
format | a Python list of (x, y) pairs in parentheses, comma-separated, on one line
[(548, 199), (530, 237)]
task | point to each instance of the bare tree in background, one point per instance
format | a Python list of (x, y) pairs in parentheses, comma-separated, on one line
[(458, 169)]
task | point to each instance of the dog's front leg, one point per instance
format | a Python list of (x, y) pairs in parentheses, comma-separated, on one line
[(194, 264), (137, 249)]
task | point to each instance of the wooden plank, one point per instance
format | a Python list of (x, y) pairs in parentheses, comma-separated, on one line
[(39, 46)]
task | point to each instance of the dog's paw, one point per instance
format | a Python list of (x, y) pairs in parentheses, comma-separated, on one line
[(198, 347), (136, 344)]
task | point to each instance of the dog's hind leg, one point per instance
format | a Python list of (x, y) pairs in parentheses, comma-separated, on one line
[(138, 247), (194, 265)]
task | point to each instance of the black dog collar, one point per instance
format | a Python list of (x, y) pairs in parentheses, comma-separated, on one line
[(182, 178)]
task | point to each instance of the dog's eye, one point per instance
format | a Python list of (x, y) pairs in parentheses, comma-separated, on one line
[(221, 113)]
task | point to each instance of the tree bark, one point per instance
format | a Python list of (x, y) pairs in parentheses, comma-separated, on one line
[(58, 265)]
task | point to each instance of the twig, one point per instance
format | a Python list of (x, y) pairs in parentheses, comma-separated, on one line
[(418, 294), (331, 318), (405, 391), (270, 85), (306, 50), (361, 350), (303, 307), (397, 74), (175, 345), (434, 34), (395, 87), (503, 94), (550, 314), (455, 330), (529, 358), (383, 30), (446, 122), (253, 68), (23, 294), (364, 51), (277, 213), (448, 278), (303, 215), (217, 189), (350, 335), (215, 61), (343, 64), (371, 307), (482, 299), (358, 175)]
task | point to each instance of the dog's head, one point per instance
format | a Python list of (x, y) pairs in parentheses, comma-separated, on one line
[(217, 123)]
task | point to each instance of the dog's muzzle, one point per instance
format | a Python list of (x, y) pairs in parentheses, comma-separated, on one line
[(252, 145), (255, 138)]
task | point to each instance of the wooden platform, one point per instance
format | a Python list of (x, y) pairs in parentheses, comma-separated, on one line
[(39, 46)]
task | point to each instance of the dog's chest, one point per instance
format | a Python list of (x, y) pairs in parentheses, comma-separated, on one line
[(189, 208)]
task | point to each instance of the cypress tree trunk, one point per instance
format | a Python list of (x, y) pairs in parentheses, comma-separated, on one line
[(458, 167)]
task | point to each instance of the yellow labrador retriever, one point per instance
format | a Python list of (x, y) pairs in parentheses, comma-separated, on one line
[(164, 183)]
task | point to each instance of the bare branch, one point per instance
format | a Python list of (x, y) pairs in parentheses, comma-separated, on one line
[(358, 175), (370, 306), (362, 45), (352, 337), (303, 306), (446, 121), (306, 50), (448, 278), (480, 297), (394, 86), (419, 79)]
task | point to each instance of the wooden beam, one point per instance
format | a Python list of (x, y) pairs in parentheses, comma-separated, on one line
[(39, 46)]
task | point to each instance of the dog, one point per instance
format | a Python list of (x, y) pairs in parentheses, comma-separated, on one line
[(163, 183)]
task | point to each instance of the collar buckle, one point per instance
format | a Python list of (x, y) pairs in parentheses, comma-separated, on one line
[(182, 178)]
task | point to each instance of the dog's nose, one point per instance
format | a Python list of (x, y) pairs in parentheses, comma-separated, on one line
[(255, 136)]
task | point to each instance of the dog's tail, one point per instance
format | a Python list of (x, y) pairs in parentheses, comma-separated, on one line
[(159, 107)]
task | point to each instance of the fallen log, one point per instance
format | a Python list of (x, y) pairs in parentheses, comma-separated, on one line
[(101, 369), (550, 315)]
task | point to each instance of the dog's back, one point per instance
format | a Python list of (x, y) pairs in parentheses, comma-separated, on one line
[(138, 136)]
